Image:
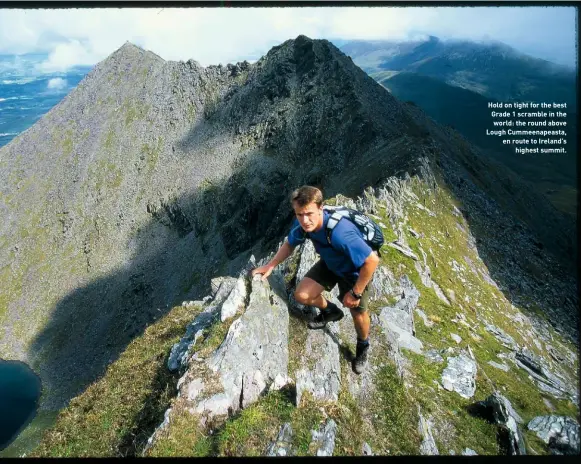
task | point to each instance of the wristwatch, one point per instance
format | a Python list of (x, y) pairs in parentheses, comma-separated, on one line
[(357, 296)]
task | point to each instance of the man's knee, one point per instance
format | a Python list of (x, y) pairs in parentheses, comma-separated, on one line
[(301, 296)]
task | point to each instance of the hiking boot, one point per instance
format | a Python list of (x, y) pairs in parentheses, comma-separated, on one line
[(331, 314), (360, 362)]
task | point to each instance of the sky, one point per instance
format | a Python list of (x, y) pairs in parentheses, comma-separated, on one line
[(84, 36)]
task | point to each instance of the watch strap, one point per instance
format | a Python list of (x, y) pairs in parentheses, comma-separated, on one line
[(357, 296)]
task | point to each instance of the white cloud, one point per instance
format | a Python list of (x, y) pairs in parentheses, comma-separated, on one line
[(222, 35), (57, 83), (67, 55)]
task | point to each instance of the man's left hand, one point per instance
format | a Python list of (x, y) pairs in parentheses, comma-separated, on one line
[(349, 301)]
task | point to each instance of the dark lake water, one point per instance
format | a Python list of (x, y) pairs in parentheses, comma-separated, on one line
[(20, 390)]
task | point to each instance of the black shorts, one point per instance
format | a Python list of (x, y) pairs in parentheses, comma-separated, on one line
[(321, 274)]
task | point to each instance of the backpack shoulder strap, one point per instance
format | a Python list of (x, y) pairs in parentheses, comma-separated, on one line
[(334, 219)]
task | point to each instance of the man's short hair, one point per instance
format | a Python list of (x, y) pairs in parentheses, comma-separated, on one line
[(305, 195)]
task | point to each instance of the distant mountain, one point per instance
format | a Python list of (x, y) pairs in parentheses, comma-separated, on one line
[(554, 175), (495, 70), (453, 81)]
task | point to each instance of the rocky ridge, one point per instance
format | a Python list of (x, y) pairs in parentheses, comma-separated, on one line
[(321, 376)]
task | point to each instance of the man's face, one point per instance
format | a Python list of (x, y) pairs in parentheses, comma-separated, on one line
[(310, 216)]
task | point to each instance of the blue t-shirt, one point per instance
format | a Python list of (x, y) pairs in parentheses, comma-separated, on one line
[(347, 253)]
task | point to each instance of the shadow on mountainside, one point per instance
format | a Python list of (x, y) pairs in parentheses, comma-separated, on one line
[(209, 233)]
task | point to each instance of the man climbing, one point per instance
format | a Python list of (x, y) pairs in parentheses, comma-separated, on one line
[(348, 261)]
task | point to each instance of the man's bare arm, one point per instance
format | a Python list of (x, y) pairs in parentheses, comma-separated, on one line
[(282, 254), (366, 272)]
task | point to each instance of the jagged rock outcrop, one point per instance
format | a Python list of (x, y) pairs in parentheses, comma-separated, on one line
[(307, 258), (560, 433), (499, 410), (320, 371), (252, 357), (255, 342), (180, 352), (283, 444), (398, 322), (428, 445), (324, 438)]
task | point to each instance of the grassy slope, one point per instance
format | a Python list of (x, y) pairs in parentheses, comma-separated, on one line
[(118, 406), (117, 413)]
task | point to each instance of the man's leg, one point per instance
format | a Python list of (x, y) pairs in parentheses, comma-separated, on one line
[(361, 321), (310, 293)]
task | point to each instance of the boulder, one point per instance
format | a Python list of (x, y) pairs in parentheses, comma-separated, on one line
[(561, 433), (459, 376), (320, 371), (324, 438), (282, 445), (428, 446), (497, 409)]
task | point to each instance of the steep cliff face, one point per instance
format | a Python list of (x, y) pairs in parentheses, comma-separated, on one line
[(153, 177)]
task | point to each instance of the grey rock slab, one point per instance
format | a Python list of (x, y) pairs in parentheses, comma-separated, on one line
[(561, 433), (556, 393), (324, 438), (428, 445), (502, 366), (280, 381), (502, 413), (180, 351), (221, 288), (456, 337), (194, 388), (397, 326), (383, 284), (258, 340), (427, 322), (424, 273), (404, 250), (409, 298), (320, 371), (400, 337), (546, 380), (469, 452), (282, 446), (439, 293), (366, 449), (394, 316), (502, 336), (219, 404), (308, 257), (434, 356), (459, 376), (253, 385), (235, 300)]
